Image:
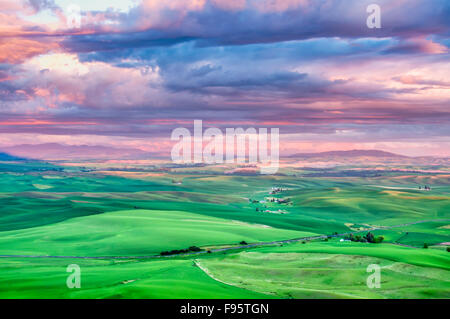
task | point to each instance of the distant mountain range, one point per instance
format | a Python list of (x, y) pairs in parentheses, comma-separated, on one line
[(352, 153), (55, 151)]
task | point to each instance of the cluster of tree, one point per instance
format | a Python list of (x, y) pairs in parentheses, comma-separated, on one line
[(181, 251), (279, 200), (275, 190), (243, 242), (368, 238)]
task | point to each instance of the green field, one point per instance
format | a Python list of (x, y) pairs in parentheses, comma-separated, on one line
[(25, 278), (135, 232), (302, 274), (66, 212)]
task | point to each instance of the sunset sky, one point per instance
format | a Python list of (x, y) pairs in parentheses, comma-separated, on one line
[(136, 70)]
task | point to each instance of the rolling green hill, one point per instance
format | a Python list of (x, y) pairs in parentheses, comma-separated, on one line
[(73, 211)]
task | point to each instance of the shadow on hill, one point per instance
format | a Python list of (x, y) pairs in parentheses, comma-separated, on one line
[(8, 157)]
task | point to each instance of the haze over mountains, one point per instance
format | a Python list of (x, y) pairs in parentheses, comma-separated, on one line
[(55, 151), (362, 158), (352, 153)]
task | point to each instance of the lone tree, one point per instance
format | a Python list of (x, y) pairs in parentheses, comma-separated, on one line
[(379, 239), (425, 245)]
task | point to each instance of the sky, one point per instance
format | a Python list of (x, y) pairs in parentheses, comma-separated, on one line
[(132, 71)]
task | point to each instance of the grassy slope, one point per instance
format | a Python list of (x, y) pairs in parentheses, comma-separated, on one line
[(295, 272), (103, 279), (134, 232), (419, 257)]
